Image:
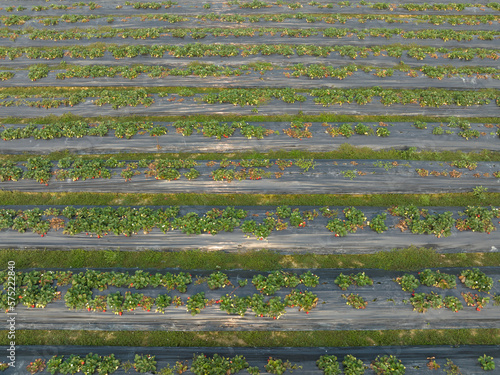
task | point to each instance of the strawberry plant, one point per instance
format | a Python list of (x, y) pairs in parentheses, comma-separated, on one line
[(203, 365), (54, 363), (329, 365), (10, 172), (305, 301), (234, 305), (78, 297), (408, 282), (115, 302), (298, 129), (71, 365), (355, 300), (131, 301), (476, 279), (437, 279), (487, 363), (344, 130), (478, 219), (452, 303), (278, 367), (90, 363), (283, 212), (274, 308), (345, 281), (270, 284), (353, 366), (475, 300), (309, 279), (338, 227), (36, 366), (39, 169), (140, 279), (218, 280), (421, 302), (162, 302), (144, 363), (437, 224), (99, 304), (377, 224), (196, 303), (354, 219), (108, 364), (387, 364), (38, 71)]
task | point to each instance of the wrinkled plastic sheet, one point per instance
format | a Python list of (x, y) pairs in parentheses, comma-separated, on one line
[(24, 41), (403, 135), (163, 107), (333, 59), (327, 177), (314, 238), (414, 358), (191, 7), (275, 78), (385, 308)]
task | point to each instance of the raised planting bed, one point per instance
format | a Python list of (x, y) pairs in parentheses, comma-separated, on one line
[(82, 136), (238, 54), (245, 300), (298, 76), (198, 360), (129, 8), (373, 100), (322, 37), (39, 174), (293, 20), (308, 229)]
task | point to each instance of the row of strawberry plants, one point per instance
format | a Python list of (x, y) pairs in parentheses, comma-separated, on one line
[(343, 18), (38, 291), (227, 50), (274, 307), (80, 295), (322, 71), (425, 98), (267, 284), (39, 8), (236, 18), (471, 278), (220, 130), (127, 221), (477, 219), (203, 365), (421, 302), (40, 71), (101, 221), (200, 33), (254, 97), (42, 169), (257, 4), (128, 129)]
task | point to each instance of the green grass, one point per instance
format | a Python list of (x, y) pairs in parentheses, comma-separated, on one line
[(146, 199), (408, 259), (256, 339), (345, 151), (326, 117)]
